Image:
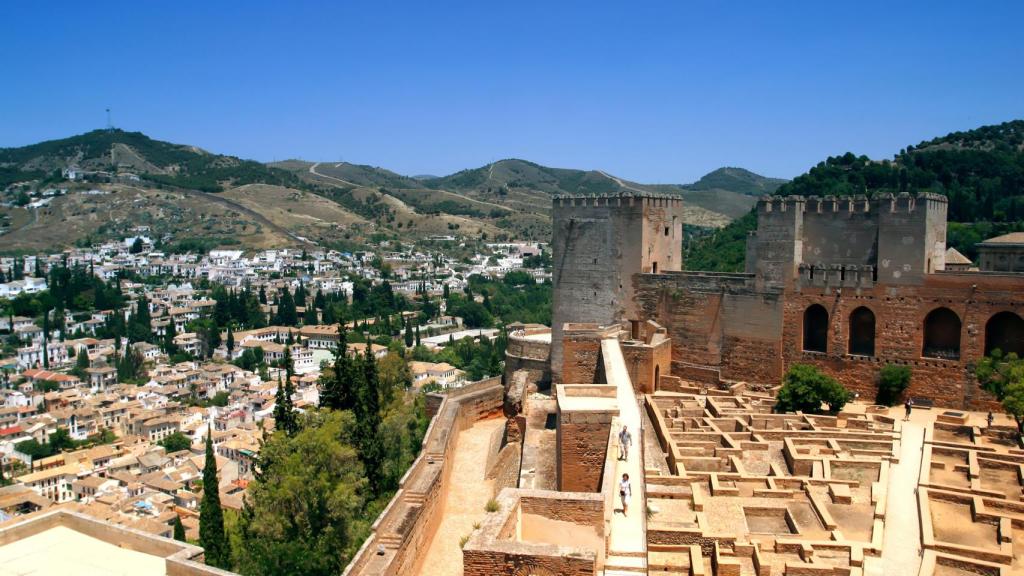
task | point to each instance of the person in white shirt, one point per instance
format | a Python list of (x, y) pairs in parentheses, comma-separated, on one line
[(625, 492)]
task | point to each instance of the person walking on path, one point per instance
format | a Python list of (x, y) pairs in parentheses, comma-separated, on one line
[(625, 492), (990, 418), (908, 406), (625, 441)]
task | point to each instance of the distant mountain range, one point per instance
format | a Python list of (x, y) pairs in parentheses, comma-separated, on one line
[(200, 199)]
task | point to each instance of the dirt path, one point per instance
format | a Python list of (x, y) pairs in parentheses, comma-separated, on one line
[(467, 494), (312, 170)]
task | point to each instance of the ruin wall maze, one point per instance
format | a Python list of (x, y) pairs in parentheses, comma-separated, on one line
[(763, 493), (970, 499)]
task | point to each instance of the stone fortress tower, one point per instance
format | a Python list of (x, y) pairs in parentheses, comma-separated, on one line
[(847, 241), (599, 243)]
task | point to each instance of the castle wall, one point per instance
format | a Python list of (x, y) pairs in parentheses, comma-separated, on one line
[(900, 313), (408, 523), (720, 325), (598, 244)]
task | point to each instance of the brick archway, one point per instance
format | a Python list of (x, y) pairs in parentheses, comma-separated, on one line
[(862, 332), (815, 335), (941, 334), (1005, 331)]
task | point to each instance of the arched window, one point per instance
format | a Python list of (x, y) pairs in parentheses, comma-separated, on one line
[(1005, 331), (942, 334), (816, 329), (862, 332)]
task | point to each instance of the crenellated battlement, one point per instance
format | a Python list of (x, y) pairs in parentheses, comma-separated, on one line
[(831, 204), (615, 200), (780, 204), (902, 202)]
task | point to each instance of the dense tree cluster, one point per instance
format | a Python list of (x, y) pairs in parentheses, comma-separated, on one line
[(319, 484)]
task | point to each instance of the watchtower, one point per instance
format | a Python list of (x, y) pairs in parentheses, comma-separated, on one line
[(599, 243)]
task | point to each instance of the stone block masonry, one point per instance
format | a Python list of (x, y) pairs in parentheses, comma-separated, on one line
[(598, 244)]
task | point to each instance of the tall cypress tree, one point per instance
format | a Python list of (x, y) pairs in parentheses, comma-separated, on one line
[(409, 340), (211, 516), (336, 388), (179, 529), (170, 348), (231, 341), (284, 413), (367, 413)]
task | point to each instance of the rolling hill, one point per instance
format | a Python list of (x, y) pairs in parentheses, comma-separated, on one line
[(192, 197)]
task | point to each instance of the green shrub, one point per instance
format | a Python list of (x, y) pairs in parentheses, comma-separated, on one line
[(492, 505), (892, 381), (805, 389)]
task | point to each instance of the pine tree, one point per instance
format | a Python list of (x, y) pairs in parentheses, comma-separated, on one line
[(179, 529), (211, 516)]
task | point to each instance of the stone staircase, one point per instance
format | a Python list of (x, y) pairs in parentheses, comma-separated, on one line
[(625, 563)]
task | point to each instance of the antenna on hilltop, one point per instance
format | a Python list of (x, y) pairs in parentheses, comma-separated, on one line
[(110, 125)]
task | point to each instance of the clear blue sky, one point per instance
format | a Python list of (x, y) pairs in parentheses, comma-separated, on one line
[(650, 91)]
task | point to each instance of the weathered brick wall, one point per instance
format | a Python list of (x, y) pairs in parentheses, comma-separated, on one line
[(583, 509), (582, 443), (899, 333), (722, 322), (646, 363), (492, 562), (505, 471), (581, 360), (717, 322)]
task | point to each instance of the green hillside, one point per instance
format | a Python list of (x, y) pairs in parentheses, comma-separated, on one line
[(505, 175), (981, 171), (738, 180), (114, 151)]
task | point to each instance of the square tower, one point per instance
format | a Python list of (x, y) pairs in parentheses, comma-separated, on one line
[(598, 244)]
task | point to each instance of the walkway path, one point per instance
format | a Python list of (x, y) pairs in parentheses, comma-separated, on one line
[(467, 494), (901, 545), (628, 540)]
